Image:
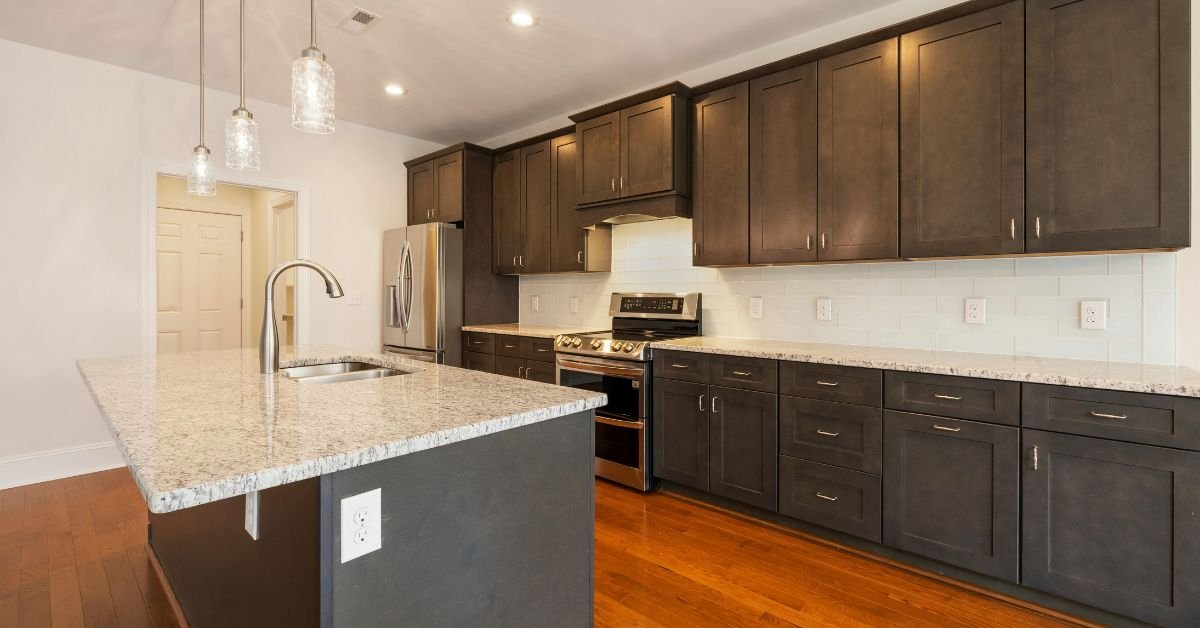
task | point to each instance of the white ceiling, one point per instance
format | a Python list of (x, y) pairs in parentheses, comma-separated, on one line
[(470, 75)]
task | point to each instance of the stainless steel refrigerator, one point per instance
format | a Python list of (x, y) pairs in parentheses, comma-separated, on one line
[(423, 292)]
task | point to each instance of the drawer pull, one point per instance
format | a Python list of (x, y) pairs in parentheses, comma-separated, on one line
[(1104, 415), (476, 342), (542, 350), (946, 397), (946, 429), (678, 366), (827, 497), (829, 434), (824, 383), (510, 346), (742, 373)]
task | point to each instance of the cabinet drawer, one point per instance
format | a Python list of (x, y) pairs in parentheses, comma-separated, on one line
[(746, 373), (479, 342), (838, 434), (682, 365), (479, 361), (539, 371), (1127, 416), (511, 346), (989, 400), (539, 349), (844, 500), (845, 384)]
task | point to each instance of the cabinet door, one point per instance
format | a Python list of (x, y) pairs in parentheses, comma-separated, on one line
[(506, 211), (951, 491), (743, 446), (783, 166), (599, 162), (485, 362), (535, 211), (539, 371), (1113, 525), (1107, 124), (962, 136), (647, 142), (422, 191), (858, 199), (448, 174), (510, 366), (568, 245), (681, 432), (721, 175)]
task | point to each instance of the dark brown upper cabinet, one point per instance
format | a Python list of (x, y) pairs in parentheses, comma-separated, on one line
[(522, 210), (720, 169), (575, 249), (647, 154), (962, 136), (422, 192), (599, 159), (783, 167), (1107, 124), (435, 190), (506, 212), (859, 169)]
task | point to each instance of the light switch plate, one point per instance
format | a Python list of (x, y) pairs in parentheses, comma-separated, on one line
[(824, 309), (975, 311), (533, 303), (574, 305), (361, 533), (756, 307), (354, 297), (1093, 314)]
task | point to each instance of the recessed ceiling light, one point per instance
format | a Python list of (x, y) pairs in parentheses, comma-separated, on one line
[(394, 90), (522, 19)]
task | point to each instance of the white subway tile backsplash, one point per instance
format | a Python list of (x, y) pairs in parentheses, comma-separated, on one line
[(1033, 303)]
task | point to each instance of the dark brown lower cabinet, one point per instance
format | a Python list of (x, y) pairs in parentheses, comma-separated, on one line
[(951, 491), (681, 432), (539, 371), (836, 498), (485, 362), (743, 446), (832, 433), (510, 366), (1114, 525)]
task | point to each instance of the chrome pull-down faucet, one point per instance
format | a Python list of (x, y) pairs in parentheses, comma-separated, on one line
[(268, 347)]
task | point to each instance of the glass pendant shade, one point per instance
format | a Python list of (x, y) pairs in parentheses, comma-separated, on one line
[(312, 93), (200, 181), (241, 141)]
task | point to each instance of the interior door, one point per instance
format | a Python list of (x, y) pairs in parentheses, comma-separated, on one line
[(199, 262), (536, 211), (647, 157), (599, 162)]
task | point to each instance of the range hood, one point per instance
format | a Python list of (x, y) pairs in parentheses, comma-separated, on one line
[(641, 209)]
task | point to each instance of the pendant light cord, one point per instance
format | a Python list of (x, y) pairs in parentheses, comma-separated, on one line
[(242, 52), (201, 72), (312, 23)]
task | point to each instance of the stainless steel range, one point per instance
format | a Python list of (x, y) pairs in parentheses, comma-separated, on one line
[(619, 364)]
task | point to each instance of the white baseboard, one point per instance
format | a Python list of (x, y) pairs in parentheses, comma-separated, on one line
[(54, 464)]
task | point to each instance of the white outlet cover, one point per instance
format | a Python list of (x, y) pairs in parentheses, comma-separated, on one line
[(354, 297), (975, 311), (1093, 314), (574, 305), (533, 303), (360, 524), (756, 307), (824, 309)]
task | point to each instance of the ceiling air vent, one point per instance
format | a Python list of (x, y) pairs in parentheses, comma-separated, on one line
[(359, 21)]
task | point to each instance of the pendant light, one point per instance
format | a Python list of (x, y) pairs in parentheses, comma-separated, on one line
[(312, 85), (200, 180), (241, 131)]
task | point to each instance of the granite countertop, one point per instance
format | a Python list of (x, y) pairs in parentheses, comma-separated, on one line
[(532, 331), (1148, 378), (203, 426)]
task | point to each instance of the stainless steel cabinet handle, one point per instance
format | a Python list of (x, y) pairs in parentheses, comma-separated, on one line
[(510, 346), (1034, 455), (514, 260), (824, 245), (679, 366), (714, 404), (613, 185), (829, 434), (476, 342), (542, 350), (1012, 228), (1037, 227), (827, 497), (622, 183), (808, 243), (1105, 415), (946, 429), (824, 383), (433, 212), (700, 402), (695, 248), (519, 370), (579, 257), (947, 397), (742, 373)]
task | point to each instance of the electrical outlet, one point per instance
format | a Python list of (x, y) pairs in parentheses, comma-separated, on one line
[(354, 297), (574, 305), (824, 309), (533, 303), (361, 533), (975, 311), (1093, 314), (756, 307)]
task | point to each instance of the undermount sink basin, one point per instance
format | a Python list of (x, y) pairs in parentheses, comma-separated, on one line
[(335, 372)]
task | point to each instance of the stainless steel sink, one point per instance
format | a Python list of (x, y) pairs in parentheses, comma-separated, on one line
[(335, 372)]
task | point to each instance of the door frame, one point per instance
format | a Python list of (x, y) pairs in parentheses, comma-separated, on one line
[(149, 218)]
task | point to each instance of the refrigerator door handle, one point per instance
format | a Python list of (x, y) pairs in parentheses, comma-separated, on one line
[(406, 286)]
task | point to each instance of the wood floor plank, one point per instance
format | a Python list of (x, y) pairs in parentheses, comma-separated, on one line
[(66, 607), (95, 598), (34, 594), (158, 606), (12, 509)]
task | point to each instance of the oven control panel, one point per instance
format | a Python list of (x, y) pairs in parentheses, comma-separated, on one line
[(603, 347), (683, 306)]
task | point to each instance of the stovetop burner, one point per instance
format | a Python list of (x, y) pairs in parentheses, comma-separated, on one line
[(638, 319)]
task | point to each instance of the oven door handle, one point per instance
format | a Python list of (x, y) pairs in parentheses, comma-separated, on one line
[(636, 425), (621, 371)]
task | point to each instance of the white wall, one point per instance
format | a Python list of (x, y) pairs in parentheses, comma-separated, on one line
[(77, 137)]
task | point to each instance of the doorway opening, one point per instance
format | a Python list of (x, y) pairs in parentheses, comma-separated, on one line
[(212, 258)]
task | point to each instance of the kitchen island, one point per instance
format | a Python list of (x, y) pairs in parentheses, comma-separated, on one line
[(485, 481)]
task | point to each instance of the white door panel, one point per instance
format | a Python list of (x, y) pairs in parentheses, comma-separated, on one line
[(199, 281)]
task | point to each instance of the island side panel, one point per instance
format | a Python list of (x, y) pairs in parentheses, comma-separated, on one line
[(496, 530), (222, 577)]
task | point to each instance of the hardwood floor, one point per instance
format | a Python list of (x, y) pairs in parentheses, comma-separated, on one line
[(72, 553)]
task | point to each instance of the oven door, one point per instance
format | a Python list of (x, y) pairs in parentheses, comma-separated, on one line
[(622, 437)]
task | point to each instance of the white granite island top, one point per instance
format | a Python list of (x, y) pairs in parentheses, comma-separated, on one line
[(1135, 377), (203, 426), (531, 331)]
